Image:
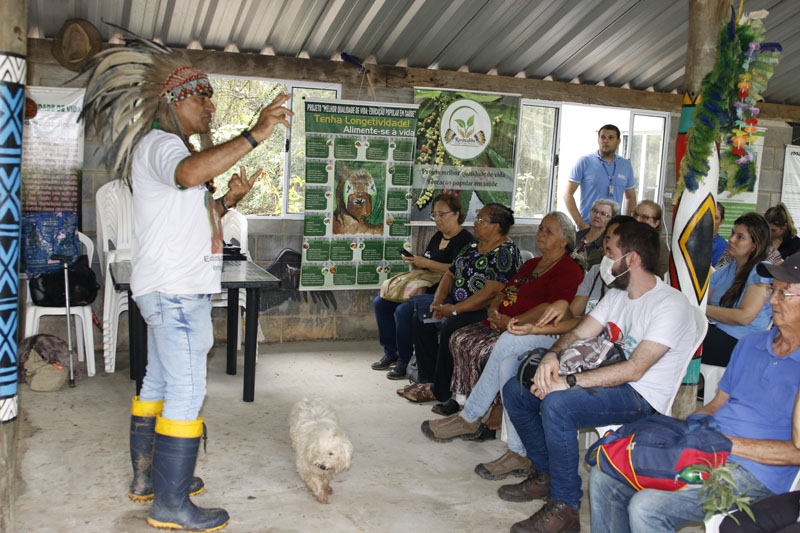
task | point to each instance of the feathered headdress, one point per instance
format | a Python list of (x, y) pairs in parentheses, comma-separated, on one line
[(132, 88)]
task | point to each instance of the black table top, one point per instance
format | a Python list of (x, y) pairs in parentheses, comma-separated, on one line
[(235, 274)]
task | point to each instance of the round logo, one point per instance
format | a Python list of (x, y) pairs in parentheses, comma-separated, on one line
[(466, 129)]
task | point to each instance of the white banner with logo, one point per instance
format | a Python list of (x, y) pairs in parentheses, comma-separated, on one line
[(466, 145), (790, 192)]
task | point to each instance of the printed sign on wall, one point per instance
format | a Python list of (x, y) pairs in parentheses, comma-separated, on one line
[(358, 193), (466, 146)]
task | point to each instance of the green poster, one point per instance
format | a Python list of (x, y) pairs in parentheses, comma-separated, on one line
[(314, 226), (345, 148), (317, 198), (397, 200), (344, 274), (317, 171), (358, 179), (312, 276), (395, 268), (466, 141), (372, 250), (398, 227), (403, 150), (393, 250), (317, 146), (368, 274), (318, 250), (401, 175), (342, 250), (378, 149)]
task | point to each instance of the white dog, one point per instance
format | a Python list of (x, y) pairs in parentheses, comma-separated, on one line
[(322, 449)]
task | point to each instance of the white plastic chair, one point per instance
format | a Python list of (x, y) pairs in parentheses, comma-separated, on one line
[(84, 335), (701, 327), (713, 523), (234, 230), (526, 255), (712, 374), (114, 205)]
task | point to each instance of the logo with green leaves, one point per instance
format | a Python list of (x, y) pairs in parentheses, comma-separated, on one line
[(466, 129)]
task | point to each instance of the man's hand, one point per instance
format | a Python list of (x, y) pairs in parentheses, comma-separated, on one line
[(271, 116), (240, 185), (560, 384), (546, 377)]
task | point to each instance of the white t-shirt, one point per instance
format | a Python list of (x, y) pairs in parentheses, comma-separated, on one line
[(177, 235), (661, 315)]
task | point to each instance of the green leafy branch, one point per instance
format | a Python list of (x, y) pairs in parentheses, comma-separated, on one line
[(718, 492)]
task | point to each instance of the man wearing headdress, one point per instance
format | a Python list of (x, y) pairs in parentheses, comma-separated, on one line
[(176, 255)]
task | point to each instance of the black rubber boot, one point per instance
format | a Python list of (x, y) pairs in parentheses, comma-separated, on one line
[(143, 424), (174, 459)]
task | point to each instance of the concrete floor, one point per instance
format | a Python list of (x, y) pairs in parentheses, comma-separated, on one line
[(74, 465)]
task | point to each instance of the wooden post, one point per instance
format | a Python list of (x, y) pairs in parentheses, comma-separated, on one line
[(13, 48), (705, 20)]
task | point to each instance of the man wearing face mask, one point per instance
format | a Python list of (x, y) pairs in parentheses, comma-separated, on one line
[(654, 326)]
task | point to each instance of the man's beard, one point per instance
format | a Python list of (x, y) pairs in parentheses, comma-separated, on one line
[(622, 281), (610, 153)]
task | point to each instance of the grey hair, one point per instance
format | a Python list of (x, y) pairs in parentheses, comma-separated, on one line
[(567, 228), (610, 203)]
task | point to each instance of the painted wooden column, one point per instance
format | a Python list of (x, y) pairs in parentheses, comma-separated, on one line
[(694, 211), (13, 48)]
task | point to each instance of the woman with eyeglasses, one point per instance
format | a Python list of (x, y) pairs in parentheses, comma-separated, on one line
[(477, 275), (649, 212), (394, 318), (589, 241), (737, 300)]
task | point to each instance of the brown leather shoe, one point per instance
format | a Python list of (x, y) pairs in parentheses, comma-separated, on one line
[(510, 464), (450, 428), (554, 517), (536, 486)]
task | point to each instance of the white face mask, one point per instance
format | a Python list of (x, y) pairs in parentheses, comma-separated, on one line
[(606, 264)]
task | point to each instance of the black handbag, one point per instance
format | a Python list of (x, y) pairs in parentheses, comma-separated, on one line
[(47, 290)]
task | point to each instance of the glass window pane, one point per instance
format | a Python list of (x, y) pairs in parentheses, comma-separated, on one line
[(537, 135), (297, 149), (646, 151), (238, 102)]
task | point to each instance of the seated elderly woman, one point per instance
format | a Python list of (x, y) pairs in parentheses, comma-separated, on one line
[(737, 303), (522, 335), (782, 231), (589, 241), (650, 213), (394, 318), (476, 276), (539, 282)]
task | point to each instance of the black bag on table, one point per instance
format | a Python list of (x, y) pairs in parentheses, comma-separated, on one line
[(47, 290)]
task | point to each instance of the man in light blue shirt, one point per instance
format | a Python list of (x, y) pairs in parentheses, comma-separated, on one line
[(602, 174)]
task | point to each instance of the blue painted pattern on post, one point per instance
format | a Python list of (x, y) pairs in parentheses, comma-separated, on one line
[(12, 108)]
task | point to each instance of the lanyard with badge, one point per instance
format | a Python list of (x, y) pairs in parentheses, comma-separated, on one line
[(611, 176)]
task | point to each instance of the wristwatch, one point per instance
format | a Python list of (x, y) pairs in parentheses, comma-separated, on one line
[(454, 312), (572, 381), (225, 206)]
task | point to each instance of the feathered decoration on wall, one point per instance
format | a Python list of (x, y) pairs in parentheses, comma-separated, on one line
[(131, 89), (726, 109)]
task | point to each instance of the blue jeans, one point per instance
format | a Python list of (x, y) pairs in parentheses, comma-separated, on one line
[(500, 367), (618, 508), (179, 336), (394, 328), (549, 428)]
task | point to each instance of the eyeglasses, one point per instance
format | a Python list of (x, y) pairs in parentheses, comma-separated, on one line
[(643, 218), (483, 221), (600, 213), (780, 294), (434, 216)]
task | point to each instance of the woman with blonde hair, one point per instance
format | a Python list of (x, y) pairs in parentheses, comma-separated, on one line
[(782, 231)]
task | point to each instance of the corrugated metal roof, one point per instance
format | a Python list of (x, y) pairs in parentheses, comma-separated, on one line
[(636, 43)]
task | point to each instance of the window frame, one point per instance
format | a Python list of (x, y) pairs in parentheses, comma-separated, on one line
[(633, 112), (287, 139)]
